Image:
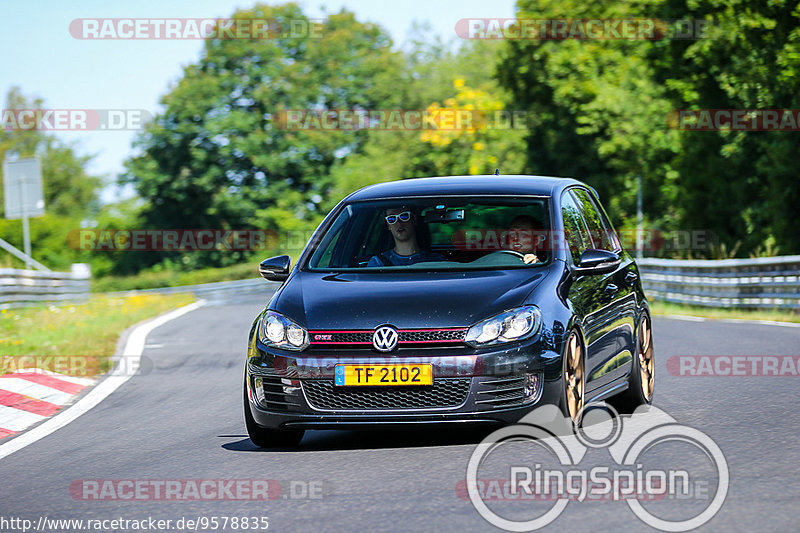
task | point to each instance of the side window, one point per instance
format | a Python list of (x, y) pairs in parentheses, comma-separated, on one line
[(574, 229), (603, 236), (327, 253), (332, 241)]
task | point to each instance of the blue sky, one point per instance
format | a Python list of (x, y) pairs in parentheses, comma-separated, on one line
[(41, 56)]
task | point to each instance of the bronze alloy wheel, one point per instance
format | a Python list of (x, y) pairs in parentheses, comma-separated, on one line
[(574, 378), (646, 359)]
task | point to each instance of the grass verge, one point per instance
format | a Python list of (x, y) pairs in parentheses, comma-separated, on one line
[(75, 339), (779, 315), (172, 278), (167, 278)]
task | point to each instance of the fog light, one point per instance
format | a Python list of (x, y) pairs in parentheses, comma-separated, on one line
[(258, 390), (533, 387)]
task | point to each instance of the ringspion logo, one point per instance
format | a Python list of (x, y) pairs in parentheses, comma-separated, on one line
[(543, 459)]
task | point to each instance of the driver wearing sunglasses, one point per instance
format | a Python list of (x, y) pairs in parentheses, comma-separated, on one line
[(402, 223)]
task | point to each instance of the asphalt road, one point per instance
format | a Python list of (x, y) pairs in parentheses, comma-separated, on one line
[(183, 420)]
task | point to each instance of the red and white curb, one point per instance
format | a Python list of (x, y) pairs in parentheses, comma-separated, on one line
[(31, 395), (134, 346)]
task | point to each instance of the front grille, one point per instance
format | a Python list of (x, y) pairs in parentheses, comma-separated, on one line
[(405, 336), (445, 392), (347, 337), (431, 335)]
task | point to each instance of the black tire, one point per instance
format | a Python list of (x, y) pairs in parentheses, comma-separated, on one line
[(573, 341), (269, 438), (635, 395)]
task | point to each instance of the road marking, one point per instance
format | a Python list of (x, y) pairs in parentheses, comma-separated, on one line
[(762, 322), (34, 390), (119, 375), (31, 391), (17, 419), (50, 381), (71, 379), (685, 317), (691, 318), (20, 401)]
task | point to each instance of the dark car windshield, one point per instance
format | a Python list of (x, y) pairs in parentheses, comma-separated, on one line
[(443, 233)]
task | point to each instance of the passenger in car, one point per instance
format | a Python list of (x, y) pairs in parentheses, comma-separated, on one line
[(403, 223), (521, 237)]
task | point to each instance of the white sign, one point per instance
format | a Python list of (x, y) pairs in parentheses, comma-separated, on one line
[(22, 187)]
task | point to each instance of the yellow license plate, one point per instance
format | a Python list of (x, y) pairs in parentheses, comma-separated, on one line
[(383, 375)]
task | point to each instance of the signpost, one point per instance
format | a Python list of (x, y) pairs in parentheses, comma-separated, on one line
[(24, 198)]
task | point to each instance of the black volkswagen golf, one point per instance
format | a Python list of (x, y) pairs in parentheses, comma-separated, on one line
[(449, 300)]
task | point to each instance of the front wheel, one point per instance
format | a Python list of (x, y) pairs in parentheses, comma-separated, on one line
[(265, 437), (573, 378)]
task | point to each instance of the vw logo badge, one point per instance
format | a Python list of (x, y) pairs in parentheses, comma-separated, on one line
[(384, 339)]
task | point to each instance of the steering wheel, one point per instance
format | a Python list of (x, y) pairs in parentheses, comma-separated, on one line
[(512, 252)]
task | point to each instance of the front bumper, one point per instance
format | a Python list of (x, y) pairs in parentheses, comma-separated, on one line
[(295, 390)]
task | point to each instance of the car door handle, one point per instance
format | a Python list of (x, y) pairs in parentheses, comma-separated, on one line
[(611, 288), (630, 277)]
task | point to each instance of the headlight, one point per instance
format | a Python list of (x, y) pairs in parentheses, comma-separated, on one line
[(508, 326), (277, 330)]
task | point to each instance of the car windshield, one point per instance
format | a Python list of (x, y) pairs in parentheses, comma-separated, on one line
[(443, 233)]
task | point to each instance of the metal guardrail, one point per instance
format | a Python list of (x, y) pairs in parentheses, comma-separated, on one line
[(19, 287), (742, 283), (228, 288)]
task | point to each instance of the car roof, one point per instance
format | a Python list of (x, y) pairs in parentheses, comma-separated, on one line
[(482, 185)]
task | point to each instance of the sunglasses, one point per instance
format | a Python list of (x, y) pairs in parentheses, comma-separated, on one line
[(405, 216)]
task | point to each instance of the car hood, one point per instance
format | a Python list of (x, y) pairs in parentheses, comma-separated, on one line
[(325, 301)]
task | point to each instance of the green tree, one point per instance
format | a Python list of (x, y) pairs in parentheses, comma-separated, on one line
[(219, 156), (742, 185), (69, 190), (596, 112), (600, 113), (440, 76)]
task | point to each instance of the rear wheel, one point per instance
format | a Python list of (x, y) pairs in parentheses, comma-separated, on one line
[(641, 380), (265, 437), (574, 378)]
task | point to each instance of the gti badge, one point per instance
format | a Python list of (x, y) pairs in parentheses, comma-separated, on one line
[(384, 339)]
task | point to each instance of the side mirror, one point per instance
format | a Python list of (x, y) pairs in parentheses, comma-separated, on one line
[(275, 268), (596, 262)]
